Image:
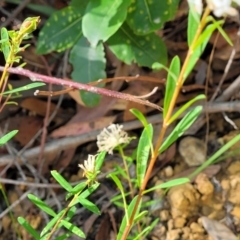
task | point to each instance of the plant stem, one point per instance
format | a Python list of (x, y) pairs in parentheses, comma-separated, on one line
[(178, 87)]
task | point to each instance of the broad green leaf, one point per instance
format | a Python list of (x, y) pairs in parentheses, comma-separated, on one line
[(5, 45), (143, 149), (193, 24), (139, 116), (129, 213), (144, 50), (185, 107), (61, 30), (168, 184), (148, 16), (181, 127), (171, 84), (89, 205), (7, 137), (103, 18), (24, 88), (216, 155), (89, 65), (29, 228), (62, 181), (74, 229), (42, 205)]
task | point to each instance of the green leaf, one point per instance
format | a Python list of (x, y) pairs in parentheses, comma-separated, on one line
[(185, 107), (139, 116), (42, 205), (5, 45), (216, 155), (7, 137), (61, 30), (51, 223), (89, 65), (168, 184), (181, 127), (140, 216), (74, 229), (62, 181), (89, 205), (99, 160), (197, 52), (145, 50), (24, 88), (193, 24), (171, 84), (79, 187), (103, 18), (29, 228), (129, 213), (143, 149), (64, 236), (147, 16)]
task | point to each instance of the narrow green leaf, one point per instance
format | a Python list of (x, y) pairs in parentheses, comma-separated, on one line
[(196, 54), (29, 228), (24, 88), (50, 224), (148, 16), (89, 205), (181, 127), (103, 18), (140, 216), (216, 155), (61, 30), (42, 205), (64, 236), (185, 107), (89, 65), (87, 192), (74, 229), (129, 213), (171, 84), (99, 160), (5, 45), (193, 24), (139, 116), (7, 137), (79, 187), (62, 181), (143, 149), (145, 50), (168, 184)]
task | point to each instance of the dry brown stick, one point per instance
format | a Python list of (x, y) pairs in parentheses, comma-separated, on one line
[(17, 10), (74, 141)]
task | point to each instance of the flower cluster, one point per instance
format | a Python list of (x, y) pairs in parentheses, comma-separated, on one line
[(219, 7), (111, 137)]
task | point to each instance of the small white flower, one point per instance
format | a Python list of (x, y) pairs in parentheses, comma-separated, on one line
[(222, 7), (111, 137), (89, 165)]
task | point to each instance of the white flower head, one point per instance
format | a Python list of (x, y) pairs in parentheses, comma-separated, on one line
[(89, 165), (223, 7), (111, 137)]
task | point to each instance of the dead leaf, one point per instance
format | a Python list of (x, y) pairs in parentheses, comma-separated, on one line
[(217, 230)]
